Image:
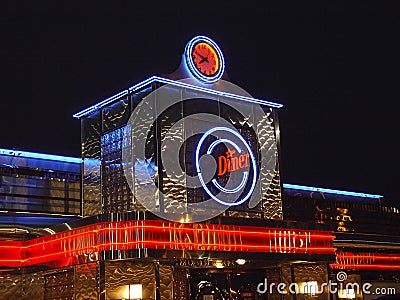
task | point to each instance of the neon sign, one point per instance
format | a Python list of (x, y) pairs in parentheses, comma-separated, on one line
[(234, 159), (231, 163)]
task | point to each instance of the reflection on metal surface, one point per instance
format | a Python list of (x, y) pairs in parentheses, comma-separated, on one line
[(171, 118), (166, 282), (59, 286), (180, 284), (39, 183), (33, 286), (79, 283), (87, 281), (116, 195), (316, 274), (10, 286), (101, 146), (91, 185)]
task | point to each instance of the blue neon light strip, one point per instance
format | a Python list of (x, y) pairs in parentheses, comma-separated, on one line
[(40, 156), (330, 191), (152, 79)]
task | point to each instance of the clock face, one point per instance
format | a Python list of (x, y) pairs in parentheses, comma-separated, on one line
[(204, 59)]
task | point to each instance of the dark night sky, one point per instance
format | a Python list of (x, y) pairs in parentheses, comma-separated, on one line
[(333, 64)]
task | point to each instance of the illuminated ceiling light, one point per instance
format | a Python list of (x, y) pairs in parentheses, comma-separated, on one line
[(240, 261), (330, 191)]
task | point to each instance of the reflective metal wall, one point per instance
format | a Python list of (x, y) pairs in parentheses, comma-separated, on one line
[(59, 285), (105, 189), (306, 273), (28, 184), (119, 275), (161, 280), (155, 280), (76, 283), (87, 281), (91, 185)]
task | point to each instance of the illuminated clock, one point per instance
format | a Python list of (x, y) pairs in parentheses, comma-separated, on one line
[(204, 59)]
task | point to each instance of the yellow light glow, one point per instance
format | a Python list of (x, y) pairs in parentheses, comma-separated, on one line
[(309, 287), (346, 294), (218, 264), (132, 292)]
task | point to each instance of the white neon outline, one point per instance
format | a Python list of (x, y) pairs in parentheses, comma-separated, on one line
[(101, 104), (253, 160), (189, 60)]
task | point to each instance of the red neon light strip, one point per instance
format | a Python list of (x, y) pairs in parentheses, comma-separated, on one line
[(365, 267), (378, 256), (373, 261), (157, 234), (224, 231)]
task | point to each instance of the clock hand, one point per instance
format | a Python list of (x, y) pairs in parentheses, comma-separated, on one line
[(202, 57), (203, 60)]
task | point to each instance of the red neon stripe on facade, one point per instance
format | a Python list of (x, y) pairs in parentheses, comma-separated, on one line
[(157, 234), (365, 261), (365, 267)]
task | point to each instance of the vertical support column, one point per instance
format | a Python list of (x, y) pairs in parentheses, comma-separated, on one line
[(181, 284), (292, 278), (287, 277), (102, 280), (157, 274)]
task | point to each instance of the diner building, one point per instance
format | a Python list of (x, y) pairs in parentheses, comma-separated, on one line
[(178, 194)]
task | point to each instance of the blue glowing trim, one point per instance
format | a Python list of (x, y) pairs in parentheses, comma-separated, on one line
[(189, 60), (330, 191), (40, 156), (152, 79), (99, 105), (253, 160)]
